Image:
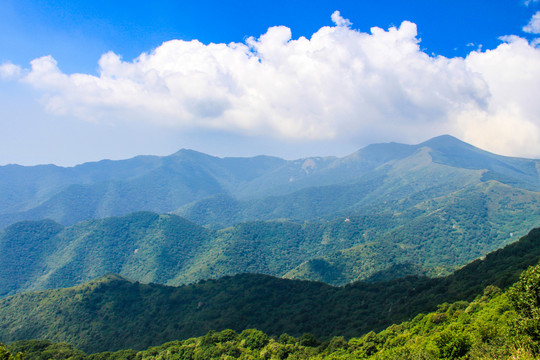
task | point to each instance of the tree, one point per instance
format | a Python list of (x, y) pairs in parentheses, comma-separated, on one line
[(6, 355), (525, 297), (254, 339)]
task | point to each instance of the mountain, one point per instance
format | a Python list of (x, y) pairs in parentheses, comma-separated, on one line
[(146, 246), (430, 238), (374, 179), (112, 312), (379, 213), (107, 188), (197, 186)]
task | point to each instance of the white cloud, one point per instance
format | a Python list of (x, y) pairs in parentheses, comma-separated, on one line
[(9, 71), (533, 27), (339, 84), (511, 122), (339, 20), (529, 2)]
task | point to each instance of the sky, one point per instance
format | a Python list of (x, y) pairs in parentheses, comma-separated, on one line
[(88, 80)]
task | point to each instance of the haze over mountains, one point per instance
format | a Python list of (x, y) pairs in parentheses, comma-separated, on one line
[(386, 211), (224, 191)]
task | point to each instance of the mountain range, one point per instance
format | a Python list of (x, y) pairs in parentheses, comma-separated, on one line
[(129, 254), (386, 211), (224, 191)]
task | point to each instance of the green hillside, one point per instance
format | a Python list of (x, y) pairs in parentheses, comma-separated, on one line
[(24, 248), (385, 211), (430, 237), (113, 313), (434, 235), (146, 246), (108, 188), (376, 178), (495, 325)]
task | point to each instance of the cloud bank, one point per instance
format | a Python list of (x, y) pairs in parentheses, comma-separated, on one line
[(340, 84)]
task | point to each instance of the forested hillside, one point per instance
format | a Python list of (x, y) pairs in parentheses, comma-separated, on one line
[(495, 325), (386, 211), (431, 238), (257, 228), (114, 313), (107, 188)]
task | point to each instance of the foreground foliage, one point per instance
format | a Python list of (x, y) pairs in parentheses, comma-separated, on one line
[(5, 354)]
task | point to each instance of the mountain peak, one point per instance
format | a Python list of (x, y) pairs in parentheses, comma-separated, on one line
[(190, 152), (445, 142), (192, 155)]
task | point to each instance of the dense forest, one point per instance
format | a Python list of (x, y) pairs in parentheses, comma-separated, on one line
[(431, 238), (113, 313), (494, 325)]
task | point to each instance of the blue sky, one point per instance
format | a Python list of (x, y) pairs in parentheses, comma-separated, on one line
[(50, 116), (77, 33)]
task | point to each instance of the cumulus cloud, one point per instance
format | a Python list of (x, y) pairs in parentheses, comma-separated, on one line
[(340, 83), (533, 27), (511, 122)]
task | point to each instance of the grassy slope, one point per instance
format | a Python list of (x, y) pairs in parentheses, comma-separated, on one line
[(435, 235)]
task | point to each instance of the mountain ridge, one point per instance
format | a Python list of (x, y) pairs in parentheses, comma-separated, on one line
[(168, 183)]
